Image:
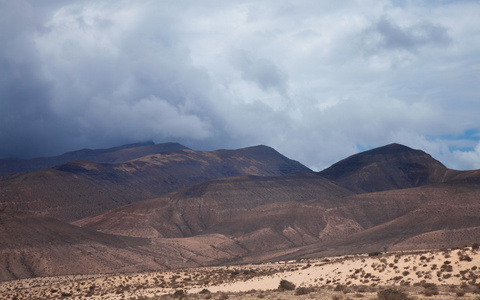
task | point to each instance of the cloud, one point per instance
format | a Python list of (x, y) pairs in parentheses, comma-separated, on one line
[(468, 159), (155, 117), (316, 80), (261, 71), (384, 34)]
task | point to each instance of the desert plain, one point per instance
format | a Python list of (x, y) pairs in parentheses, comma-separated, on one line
[(432, 274)]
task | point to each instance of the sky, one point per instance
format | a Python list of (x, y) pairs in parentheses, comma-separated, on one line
[(317, 80)]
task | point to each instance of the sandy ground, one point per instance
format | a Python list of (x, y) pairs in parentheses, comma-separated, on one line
[(436, 274)]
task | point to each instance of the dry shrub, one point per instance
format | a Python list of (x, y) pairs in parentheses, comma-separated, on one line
[(303, 291), (430, 289), (340, 287), (223, 296), (286, 285), (179, 294), (362, 288), (392, 294), (359, 295)]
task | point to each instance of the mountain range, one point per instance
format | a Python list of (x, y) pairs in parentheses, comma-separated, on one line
[(149, 207)]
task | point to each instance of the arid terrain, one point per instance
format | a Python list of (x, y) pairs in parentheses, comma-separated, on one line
[(434, 274), (153, 220)]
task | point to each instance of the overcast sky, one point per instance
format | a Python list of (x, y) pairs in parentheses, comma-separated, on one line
[(316, 80)]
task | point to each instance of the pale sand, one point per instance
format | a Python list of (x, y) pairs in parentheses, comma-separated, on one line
[(405, 270), (385, 270)]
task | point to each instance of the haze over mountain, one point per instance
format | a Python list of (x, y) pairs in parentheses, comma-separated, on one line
[(230, 206)]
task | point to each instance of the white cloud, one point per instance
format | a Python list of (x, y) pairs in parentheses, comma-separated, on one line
[(467, 160)]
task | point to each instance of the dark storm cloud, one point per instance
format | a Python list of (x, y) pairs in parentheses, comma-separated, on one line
[(89, 90), (28, 126)]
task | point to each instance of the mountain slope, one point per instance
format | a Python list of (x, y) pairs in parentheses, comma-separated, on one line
[(35, 246), (193, 210), (300, 215), (431, 217), (415, 218), (386, 168), (78, 189)]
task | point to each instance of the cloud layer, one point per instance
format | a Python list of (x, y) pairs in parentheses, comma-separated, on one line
[(317, 80)]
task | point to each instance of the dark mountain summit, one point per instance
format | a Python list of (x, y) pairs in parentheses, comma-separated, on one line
[(386, 168)]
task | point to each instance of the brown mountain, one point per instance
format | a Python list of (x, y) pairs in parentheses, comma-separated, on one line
[(78, 189), (442, 215), (110, 155), (419, 204), (430, 217), (34, 246), (192, 211), (386, 168), (304, 215)]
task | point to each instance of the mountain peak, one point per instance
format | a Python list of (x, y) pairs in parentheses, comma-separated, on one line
[(384, 168), (396, 147)]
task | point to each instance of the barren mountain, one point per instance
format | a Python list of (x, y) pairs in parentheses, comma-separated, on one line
[(430, 217), (386, 168), (306, 215), (33, 246), (192, 210), (38, 246), (390, 198), (79, 189), (110, 155)]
